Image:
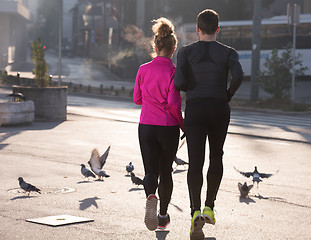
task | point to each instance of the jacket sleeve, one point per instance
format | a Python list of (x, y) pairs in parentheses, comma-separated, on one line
[(137, 95), (236, 73), (174, 104), (181, 72)]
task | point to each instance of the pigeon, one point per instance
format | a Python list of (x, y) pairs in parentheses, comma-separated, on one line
[(86, 172), (180, 162), (103, 158), (182, 144), (136, 180), (129, 168), (244, 189), (96, 163), (27, 187), (177, 160), (256, 175), (17, 97)]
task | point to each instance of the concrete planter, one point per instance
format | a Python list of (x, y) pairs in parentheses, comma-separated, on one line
[(12, 113), (50, 102)]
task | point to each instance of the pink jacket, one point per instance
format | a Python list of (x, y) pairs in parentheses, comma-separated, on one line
[(155, 91)]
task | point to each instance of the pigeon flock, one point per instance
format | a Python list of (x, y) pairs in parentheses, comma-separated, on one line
[(97, 163)]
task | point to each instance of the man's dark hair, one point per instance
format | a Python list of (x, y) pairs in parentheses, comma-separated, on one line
[(207, 21)]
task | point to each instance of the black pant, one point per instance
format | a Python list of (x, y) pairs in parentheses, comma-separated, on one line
[(158, 145), (207, 118)]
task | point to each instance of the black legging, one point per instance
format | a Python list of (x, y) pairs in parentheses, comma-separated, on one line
[(158, 145), (206, 118)]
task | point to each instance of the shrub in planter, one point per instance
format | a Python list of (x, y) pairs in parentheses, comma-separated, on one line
[(50, 102), (41, 67)]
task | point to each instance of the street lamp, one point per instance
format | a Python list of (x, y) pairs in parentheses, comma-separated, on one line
[(60, 36)]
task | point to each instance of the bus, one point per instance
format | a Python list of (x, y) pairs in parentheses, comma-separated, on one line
[(275, 34)]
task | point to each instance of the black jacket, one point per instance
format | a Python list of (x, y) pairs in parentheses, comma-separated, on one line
[(203, 69)]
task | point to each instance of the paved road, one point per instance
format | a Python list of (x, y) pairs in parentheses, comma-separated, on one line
[(49, 154), (253, 123), (282, 121), (259, 124), (271, 125)]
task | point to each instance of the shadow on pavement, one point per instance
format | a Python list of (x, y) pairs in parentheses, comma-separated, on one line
[(178, 208), (84, 181), (3, 146), (261, 197), (161, 234), (22, 197), (88, 202), (269, 198), (99, 180), (10, 131), (135, 189), (247, 200)]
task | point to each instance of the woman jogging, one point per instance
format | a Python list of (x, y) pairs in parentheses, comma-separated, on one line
[(159, 124)]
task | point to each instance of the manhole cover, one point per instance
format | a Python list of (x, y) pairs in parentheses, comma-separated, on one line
[(44, 190)]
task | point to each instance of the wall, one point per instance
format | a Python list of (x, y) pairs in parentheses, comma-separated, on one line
[(4, 41), (13, 39)]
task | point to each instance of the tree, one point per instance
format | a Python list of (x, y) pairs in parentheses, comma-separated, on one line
[(41, 67), (276, 78)]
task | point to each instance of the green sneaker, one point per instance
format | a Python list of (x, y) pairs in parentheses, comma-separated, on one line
[(197, 223), (209, 215)]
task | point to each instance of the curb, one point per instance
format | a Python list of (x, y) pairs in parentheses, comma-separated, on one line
[(270, 138), (265, 110)]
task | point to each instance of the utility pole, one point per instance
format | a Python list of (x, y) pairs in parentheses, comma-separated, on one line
[(60, 36), (293, 17), (256, 45), (140, 23)]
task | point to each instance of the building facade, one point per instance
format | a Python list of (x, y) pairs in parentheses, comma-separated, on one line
[(14, 16)]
